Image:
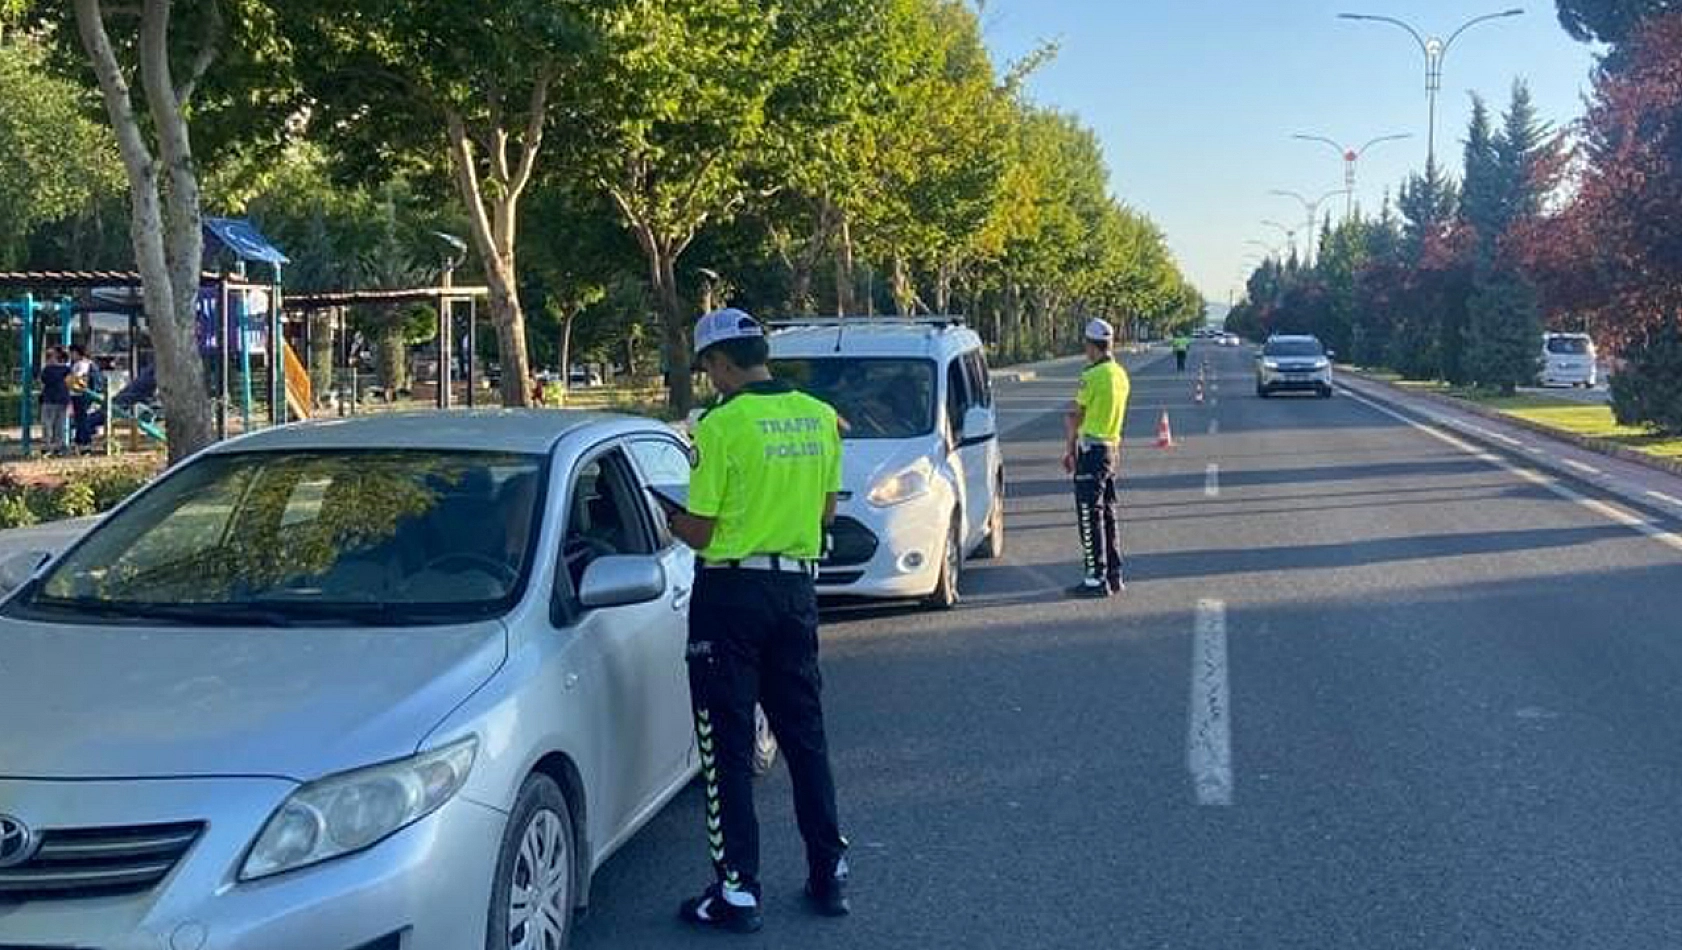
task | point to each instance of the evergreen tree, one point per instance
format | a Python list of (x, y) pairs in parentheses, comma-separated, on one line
[(1505, 309)]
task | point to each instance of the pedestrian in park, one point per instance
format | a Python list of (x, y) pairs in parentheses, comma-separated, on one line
[(1182, 350), (86, 385), (1094, 425), (55, 401), (767, 471)]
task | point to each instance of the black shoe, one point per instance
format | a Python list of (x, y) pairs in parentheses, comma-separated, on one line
[(1117, 587), (1089, 591), (829, 898), (712, 910)]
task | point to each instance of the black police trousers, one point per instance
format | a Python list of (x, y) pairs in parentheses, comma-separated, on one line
[(753, 638), (1180, 360), (1095, 501)]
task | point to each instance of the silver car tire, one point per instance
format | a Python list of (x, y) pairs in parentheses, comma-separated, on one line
[(536, 890)]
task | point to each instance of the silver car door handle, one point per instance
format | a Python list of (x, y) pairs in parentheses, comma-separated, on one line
[(680, 597)]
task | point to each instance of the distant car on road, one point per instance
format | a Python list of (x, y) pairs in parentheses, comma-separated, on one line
[(394, 681), (1569, 359), (1294, 364), (1230, 339), (924, 475)]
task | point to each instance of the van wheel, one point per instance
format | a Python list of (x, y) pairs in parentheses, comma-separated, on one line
[(994, 547), (945, 595), (764, 743), (535, 892)]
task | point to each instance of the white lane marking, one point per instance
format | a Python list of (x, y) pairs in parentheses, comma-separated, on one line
[(1579, 466), (1488, 434), (1209, 739), (1212, 481), (1667, 538), (1667, 499)]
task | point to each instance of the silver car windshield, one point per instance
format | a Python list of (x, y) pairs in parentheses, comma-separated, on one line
[(357, 538), (876, 398), (1302, 349)]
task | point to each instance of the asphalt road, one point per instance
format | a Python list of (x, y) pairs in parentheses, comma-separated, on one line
[(1366, 690)]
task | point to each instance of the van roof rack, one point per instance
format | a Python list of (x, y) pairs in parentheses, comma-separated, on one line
[(789, 323)]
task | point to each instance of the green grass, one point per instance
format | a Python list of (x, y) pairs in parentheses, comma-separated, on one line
[(1574, 418)]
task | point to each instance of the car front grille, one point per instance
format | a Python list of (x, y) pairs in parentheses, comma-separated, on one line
[(86, 862), (854, 544), (828, 579)]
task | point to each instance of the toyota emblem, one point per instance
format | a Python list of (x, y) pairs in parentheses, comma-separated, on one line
[(17, 842)]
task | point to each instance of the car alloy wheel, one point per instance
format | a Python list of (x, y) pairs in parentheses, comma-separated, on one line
[(535, 891), (538, 909)]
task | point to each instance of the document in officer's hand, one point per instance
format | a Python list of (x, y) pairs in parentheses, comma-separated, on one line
[(671, 497)]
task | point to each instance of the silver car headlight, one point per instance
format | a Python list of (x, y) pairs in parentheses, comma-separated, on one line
[(1270, 364), (1322, 364), (346, 813), (906, 485)]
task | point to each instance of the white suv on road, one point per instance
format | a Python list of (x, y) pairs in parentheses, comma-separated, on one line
[(1293, 364), (923, 482)]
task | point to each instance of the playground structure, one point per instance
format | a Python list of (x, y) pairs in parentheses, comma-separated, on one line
[(240, 323)]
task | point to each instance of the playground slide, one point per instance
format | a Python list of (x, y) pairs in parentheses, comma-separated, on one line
[(300, 393)]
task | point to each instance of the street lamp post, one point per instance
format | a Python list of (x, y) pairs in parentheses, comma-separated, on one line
[(1290, 236), (1351, 158), (1312, 208), (1435, 49)]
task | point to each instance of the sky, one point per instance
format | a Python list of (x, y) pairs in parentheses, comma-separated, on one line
[(1196, 101)]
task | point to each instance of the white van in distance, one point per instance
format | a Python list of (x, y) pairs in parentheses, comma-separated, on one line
[(1569, 359)]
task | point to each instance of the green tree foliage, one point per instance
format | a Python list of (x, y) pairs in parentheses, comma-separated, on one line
[(58, 167), (1610, 21), (402, 79)]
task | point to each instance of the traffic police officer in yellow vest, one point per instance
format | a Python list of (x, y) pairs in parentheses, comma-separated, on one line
[(767, 472), (1094, 424)]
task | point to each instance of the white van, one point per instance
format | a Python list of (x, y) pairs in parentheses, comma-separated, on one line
[(1569, 359), (923, 482)]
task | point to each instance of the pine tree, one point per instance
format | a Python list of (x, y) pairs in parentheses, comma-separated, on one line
[(1505, 309)]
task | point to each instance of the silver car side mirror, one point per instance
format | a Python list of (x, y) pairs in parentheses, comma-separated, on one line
[(20, 569), (620, 581)]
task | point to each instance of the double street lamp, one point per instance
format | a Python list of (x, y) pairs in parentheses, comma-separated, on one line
[(1435, 49), (1351, 158), (1312, 210)]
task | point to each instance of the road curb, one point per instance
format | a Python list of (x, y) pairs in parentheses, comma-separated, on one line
[(1598, 446), (1400, 400)]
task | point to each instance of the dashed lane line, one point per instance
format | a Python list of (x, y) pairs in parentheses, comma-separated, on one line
[(1209, 737), (1610, 512)]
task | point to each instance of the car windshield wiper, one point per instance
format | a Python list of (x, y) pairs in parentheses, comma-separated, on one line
[(197, 615)]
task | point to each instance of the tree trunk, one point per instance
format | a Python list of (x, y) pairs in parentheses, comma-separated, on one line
[(905, 295), (1011, 342), (494, 223), (321, 325), (943, 290), (567, 319), (845, 279), (674, 331), (167, 236), (391, 355)]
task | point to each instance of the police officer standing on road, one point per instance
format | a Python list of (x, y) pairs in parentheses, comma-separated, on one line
[(1182, 349), (1094, 425), (767, 472)]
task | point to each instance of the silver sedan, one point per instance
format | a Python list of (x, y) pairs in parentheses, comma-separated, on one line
[(399, 682)]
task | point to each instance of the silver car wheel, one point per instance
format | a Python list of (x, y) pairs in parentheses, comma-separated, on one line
[(537, 901)]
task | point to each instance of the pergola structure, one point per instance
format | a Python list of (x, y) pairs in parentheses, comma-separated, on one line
[(445, 299)]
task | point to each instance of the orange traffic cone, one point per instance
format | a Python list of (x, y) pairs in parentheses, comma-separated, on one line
[(1200, 392), (1164, 433)]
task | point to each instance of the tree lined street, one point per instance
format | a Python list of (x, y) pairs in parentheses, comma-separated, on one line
[(1450, 694)]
